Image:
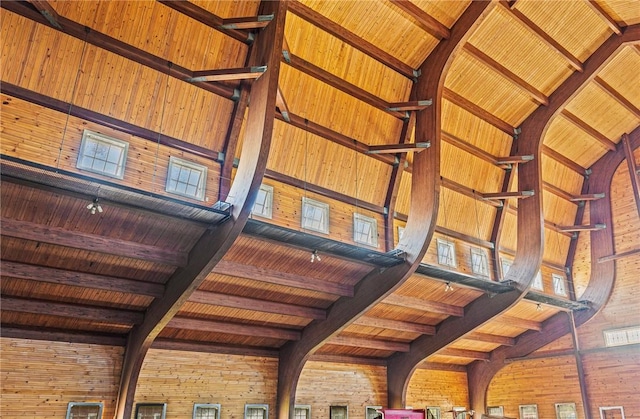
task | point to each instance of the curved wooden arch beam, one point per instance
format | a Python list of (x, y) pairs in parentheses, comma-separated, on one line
[(421, 223), (213, 244), (480, 374)]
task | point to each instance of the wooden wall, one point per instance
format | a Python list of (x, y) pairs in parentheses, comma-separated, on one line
[(444, 389), (40, 378)]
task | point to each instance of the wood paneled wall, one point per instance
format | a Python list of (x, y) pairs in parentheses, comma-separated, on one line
[(40, 378), (444, 389), (181, 379), (324, 384)]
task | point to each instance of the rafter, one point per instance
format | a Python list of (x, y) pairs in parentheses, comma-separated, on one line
[(423, 19), (233, 328), (588, 227), (476, 110), (597, 9), (607, 88), (602, 139), (47, 11), (633, 170), (436, 366), (398, 148), (564, 160), (249, 22), (414, 105), (209, 347), (508, 195), (347, 359), (424, 305), (464, 353), (378, 322), (226, 74), (20, 332), (489, 338), (382, 345)]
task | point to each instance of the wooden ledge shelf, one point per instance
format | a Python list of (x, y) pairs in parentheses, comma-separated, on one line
[(251, 22), (398, 148), (416, 105), (588, 197), (588, 227), (507, 195), (228, 74)]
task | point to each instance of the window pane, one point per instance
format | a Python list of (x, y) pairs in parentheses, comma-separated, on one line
[(84, 412), (206, 412), (186, 178), (102, 154), (338, 412), (255, 413)]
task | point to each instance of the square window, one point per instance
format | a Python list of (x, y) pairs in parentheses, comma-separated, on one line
[(622, 336), (338, 412), (256, 411), (506, 265), (365, 230), (446, 253), (559, 287), (102, 154), (612, 412), (84, 411), (264, 202), (495, 410), (371, 412), (433, 413), (566, 411), (206, 411), (537, 282), (528, 411), (400, 232), (315, 215), (460, 412), (151, 410), (302, 411), (479, 262), (186, 178)]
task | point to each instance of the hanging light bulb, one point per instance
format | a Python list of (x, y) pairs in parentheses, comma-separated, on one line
[(448, 287), (94, 207), (538, 307), (315, 256)]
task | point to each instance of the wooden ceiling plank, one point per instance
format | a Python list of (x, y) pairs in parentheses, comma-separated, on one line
[(249, 22), (118, 47), (195, 12), (398, 148), (476, 110), (47, 11), (537, 96), (351, 39), (564, 160), (597, 9), (369, 321), (489, 338), (256, 273), (225, 74), (78, 240), (232, 328), (543, 36), (464, 353), (52, 308), (518, 322), (427, 22), (382, 345), (633, 170), (602, 139), (215, 243), (255, 304), (80, 279), (424, 305), (617, 96)]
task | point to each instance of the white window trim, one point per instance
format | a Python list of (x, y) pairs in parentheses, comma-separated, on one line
[(191, 165), (206, 406), (505, 262), (72, 404), (164, 408), (621, 336), (374, 229), (537, 282), (265, 407), (499, 410), (96, 136), (367, 408), (320, 205), (557, 280), (400, 232), (435, 410), (484, 261), (524, 406), (306, 407), (268, 207), (346, 407), (560, 406), (605, 408), (452, 247)]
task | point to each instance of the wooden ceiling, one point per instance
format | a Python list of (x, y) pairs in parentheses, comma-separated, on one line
[(347, 72)]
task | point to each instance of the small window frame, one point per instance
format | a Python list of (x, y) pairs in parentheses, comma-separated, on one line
[(484, 262), (434, 411), (306, 224), (495, 410), (96, 137), (537, 284), (202, 185), (336, 407), (368, 409), (305, 407), (531, 415), (262, 406), (566, 411), (559, 285), (267, 211), (71, 405), (216, 406), (621, 336), (163, 405), (400, 232), (452, 249), (603, 409), (372, 240), (505, 265)]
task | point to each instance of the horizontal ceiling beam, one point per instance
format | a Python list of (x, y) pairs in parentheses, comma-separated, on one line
[(466, 191), (518, 322), (424, 305), (256, 273), (464, 353), (598, 10), (398, 148), (233, 328), (424, 20), (91, 242), (592, 132), (587, 227), (49, 13), (490, 338), (249, 22), (401, 326), (382, 345), (213, 348), (256, 304), (617, 96), (414, 105), (564, 160), (507, 195), (80, 279), (21, 332), (437, 366), (476, 110), (244, 73), (348, 359)]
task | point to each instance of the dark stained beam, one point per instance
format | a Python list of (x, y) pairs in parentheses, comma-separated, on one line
[(454, 234), (378, 284), (489, 338), (602, 139), (78, 240), (427, 22), (633, 170), (413, 105), (378, 322), (586, 227), (232, 328), (215, 243), (80, 279), (346, 359), (47, 11), (518, 322), (118, 47), (212, 348), (249, 22), (617, 256), (564, 160), (617, 96), (543, 36), (464, 353), (255, 304), (435, 366), (351, 39), (51, 308), (281, 105), (508, 195), (232, 140), (21, 332), (239, 270), (423, 305), (381, 345), (398, 148), (476, 110), (471, 193), (469, 148), (537, 96), (604, 16), (226, 74)]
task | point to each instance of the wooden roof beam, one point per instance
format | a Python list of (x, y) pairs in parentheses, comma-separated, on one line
[(47, 11), (21, 332), (398, 148), (617, 256), (423, 19), (212, 348), (564, 160), (381, 345), (348, 359), (414, 105), (535, 94), (471, 193), (80, 279), (249, 22), (597, 9), (576, 199), (518, 322), (281, 105), (489, 338), (437, 366), (423, 305), (237, 329), (476, 110), (543, 36), (464, 353), (547, 224), (243, 73), (588, 227), (617, 96), (603, 140), (402, 326), (508, 195), (633, 170)]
